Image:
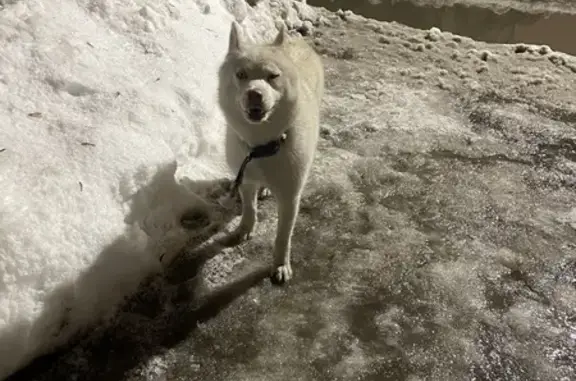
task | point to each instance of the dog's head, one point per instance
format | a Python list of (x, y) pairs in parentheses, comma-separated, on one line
[(259, 75)]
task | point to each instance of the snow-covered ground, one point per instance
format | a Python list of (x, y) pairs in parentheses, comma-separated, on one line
[(104, 106)]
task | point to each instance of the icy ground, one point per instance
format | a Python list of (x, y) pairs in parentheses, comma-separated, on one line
[(105, 105), (437, 239)]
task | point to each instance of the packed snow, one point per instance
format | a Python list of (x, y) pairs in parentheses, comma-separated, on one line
[(105, 106)]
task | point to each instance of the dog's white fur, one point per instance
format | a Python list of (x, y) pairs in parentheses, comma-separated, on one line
[(289, 76)]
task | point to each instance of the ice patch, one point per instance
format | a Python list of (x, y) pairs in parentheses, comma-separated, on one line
[(569, 218)]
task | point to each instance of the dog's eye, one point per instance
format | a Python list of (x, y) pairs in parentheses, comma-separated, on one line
[(241, 74), (273, 76)]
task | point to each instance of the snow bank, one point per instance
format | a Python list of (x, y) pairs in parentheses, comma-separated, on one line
[(104, 106)]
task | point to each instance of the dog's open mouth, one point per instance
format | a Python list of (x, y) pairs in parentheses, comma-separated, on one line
[(256, 114)]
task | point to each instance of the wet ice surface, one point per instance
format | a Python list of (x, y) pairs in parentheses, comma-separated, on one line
[(480, 23), (437, 238)]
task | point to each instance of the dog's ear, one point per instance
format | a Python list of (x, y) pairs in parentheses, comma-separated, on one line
[(235, 41), (282, 35)]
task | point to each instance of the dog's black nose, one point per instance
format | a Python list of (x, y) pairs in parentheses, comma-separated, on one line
[(254, 97)]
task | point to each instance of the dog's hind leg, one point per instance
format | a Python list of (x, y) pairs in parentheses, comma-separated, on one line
[(248, 193)]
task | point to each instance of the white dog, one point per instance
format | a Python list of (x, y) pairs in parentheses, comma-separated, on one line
[(270, 95)]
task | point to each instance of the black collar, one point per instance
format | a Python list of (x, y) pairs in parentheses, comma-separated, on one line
[(263, 150)]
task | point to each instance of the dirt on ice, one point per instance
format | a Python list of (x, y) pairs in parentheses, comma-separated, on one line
[(436, 240), (550, 23)]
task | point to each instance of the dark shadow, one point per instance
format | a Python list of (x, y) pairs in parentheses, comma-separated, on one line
[(163, 309), (146, 327)]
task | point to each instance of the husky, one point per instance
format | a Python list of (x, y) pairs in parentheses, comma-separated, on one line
[(270, 95)]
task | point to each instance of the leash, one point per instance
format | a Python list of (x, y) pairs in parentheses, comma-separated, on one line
[(263, 150)]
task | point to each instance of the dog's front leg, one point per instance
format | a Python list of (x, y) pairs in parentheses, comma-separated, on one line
[(287, 213)]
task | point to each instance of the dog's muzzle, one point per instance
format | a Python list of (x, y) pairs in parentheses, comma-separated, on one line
[(255, 106)]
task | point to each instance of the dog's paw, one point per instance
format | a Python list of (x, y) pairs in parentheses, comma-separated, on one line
[(237, 237), (264, 193), (281, 274)]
